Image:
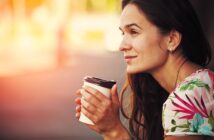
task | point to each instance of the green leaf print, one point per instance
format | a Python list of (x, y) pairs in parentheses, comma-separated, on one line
[(176, 113), (207, 87), (173, 121), (187, 125), (211, 120), (184, 125), (191, 84), (184, 87), (173, 129), (185, 130), (191, 87)]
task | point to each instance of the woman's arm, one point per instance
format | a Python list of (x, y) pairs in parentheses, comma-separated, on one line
[(119, 133)]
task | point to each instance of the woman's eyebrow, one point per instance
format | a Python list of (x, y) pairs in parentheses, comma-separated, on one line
[(130, 25), (133, 24)]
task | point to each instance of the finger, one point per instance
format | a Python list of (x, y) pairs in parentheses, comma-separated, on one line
[(96, 93), (78, 101), (89, 107), (90, 98), (77, 115), (103, 101), (78, 92), (91, 116), (78, 108), (114, 95)]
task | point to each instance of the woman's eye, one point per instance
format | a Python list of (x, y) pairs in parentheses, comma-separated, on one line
[(133, 32)]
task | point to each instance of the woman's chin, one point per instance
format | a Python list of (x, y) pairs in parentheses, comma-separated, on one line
[(132, 71)]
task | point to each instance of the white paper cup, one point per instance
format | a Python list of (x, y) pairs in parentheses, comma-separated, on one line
[(101, 85)]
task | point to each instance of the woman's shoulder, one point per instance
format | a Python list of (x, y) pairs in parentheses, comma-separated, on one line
[(189, 110), (202, 78)]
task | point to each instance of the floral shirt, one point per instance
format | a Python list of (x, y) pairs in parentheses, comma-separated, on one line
[(189, 109)]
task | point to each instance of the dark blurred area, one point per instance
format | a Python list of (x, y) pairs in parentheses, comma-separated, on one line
[(40, 106), (205, 12)]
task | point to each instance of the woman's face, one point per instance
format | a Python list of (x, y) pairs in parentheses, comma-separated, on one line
[(143, 45)]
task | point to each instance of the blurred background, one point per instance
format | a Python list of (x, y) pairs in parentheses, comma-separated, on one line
[(46, 48)]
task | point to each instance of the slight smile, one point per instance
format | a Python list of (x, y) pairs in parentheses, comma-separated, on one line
[(129, 58)]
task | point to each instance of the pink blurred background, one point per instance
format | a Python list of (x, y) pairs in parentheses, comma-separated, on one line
[(46, 48)]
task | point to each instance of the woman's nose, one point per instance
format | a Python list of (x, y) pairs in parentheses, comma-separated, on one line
[(124, 45)]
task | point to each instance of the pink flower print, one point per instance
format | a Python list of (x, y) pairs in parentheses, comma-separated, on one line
[(190, 108), (211, 75)]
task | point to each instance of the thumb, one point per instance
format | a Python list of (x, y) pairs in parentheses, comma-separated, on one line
[(114, 95)]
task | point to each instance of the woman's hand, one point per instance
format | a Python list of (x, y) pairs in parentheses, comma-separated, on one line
[(104, 112), (78, 104)]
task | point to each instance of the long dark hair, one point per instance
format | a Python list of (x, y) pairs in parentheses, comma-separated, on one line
[(145, 121)]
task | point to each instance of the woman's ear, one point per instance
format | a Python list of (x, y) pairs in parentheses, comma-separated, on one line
[(174, 40)]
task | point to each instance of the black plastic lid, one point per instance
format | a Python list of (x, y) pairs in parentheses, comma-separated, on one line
[(100, 82)]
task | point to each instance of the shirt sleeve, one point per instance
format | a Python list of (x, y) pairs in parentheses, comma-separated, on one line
[(189, 110)]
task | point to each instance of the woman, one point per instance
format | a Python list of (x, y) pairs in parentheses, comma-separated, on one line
[(172, 92)]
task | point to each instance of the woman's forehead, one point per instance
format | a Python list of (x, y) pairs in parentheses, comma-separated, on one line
[(132, 15)]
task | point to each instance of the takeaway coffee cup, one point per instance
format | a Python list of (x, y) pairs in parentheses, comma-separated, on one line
[(104, 86)]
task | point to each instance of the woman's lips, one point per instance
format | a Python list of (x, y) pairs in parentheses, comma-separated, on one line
[(129, 58)]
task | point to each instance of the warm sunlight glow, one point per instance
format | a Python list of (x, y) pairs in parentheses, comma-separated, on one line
[(95, 32), (35, 35)]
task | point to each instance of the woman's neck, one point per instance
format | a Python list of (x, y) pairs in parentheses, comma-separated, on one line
[(174, 72)]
